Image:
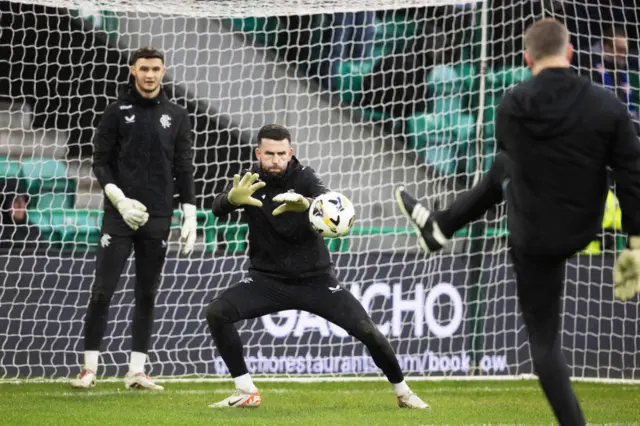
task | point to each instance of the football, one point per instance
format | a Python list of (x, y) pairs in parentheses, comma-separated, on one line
[(332, 215)]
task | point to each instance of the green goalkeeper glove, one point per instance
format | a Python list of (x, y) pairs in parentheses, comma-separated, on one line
[(626, 271), (292, 203), (242, 191)]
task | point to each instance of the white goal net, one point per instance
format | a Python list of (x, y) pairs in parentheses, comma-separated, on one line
[(376, 93)]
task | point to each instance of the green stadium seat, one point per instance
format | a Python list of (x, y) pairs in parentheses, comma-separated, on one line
[(498, 81), (9, 168), (465, 127), (396, 27), (46, 174), (350, 78), (467, 73), (68, 228), (78, 226), (446, 105), (392, 35), (503, 78), (428, 129), (372, 114), (491, 101), (440, 139), (42, 220), (446, 80), (265, 29), (54, 200)]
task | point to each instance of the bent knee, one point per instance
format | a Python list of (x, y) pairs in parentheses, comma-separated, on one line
[(221, 311), (368, 332)]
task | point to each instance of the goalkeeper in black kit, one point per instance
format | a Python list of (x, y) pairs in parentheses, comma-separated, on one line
[(291, 267), (142, 144), (558, 134)]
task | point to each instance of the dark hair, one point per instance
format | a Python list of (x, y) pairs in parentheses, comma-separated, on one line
[(146, 53), (611, 33), (545, 38), (275, 132)]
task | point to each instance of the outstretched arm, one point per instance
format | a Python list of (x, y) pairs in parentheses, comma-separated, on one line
[(221, 204), (238, 194), (298, 203)]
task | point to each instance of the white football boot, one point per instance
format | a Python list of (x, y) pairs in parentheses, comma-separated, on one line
[(411, 400), (239, 399), (85, 380), (140, 381)]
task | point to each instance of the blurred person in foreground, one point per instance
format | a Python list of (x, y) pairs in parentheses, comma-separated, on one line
[(557, 135)]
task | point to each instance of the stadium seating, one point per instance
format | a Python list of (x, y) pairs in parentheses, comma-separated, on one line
[(52, 195), (75, 230), (71, 229), (9, 168), (444, 135), (46, 179)]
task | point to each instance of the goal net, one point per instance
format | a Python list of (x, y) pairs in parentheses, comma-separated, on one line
[(376, 93)]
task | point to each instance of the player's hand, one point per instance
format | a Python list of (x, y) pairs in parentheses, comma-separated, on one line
[(292, 202), (242, 191), (188, 230), (626, 271), (132, 211)]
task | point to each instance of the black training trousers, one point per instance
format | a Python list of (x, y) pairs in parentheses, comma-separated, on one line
[(540, 284), (261, 294), (149, 245)]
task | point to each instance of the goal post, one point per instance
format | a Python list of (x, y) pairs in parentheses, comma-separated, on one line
[(376, 93)]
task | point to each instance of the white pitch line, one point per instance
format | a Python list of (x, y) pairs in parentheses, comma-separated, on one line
[(326, 379), (122, 392)]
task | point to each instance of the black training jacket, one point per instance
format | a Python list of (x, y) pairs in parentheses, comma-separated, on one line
[(560, 133), (141, 145), (283, 245)]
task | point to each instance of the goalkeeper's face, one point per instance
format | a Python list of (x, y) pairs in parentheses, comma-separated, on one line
[(148, 74), (274, 156)]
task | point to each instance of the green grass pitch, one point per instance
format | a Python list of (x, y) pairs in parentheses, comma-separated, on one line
[(327, 403)]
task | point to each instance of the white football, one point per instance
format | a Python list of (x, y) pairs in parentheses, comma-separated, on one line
[(332, 215)]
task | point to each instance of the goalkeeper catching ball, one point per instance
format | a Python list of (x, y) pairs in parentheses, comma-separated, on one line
[(557, 135), (291, 267), (142, 143)]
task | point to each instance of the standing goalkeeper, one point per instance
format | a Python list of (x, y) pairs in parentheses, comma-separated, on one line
[(290, 268), (557, 135), (142, 143)]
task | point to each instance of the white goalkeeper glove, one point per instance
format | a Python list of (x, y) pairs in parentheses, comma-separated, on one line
[(133, 212), (626, 271), (188, 230), (292, 203)]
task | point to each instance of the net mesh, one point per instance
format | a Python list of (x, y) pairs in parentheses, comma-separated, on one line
[(375, 94)]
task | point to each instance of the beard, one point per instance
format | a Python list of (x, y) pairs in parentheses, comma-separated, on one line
[(274, 172)]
